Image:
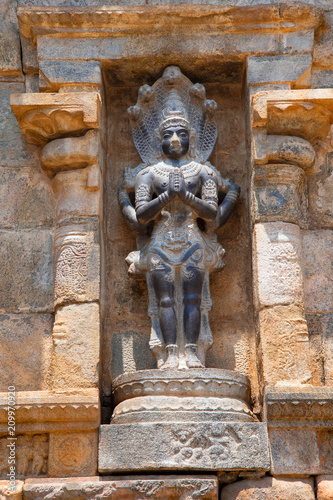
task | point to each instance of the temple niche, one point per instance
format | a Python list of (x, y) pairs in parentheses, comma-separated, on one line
[(166, 295)]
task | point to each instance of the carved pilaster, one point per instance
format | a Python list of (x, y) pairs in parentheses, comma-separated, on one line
[(66, 127), (284, 123)]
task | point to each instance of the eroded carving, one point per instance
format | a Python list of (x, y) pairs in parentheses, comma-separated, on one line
[(31, 455)]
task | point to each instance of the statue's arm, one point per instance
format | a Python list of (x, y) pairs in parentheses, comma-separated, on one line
[(147, 208), (127, 208), (227, 206)]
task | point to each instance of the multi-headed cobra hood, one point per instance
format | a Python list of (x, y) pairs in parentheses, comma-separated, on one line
[(173, 101)]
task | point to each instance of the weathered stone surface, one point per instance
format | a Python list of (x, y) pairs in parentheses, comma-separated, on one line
[(77, 262), (325, 443), (70, 153), (323, 52), (299, 406), (44, 117), (317, 258), (177, 446), (276, 69), (45, 411), (277, 193), (320, 330), (321, 78), (25, 351), (269, 488), (27, 270), (73, 454), (285, 345), (304, 113), (320, 186), (76, 346), (10, 55), (60, 73), (227, 45), (77, 193), (294, 451), (127, 488), (26, 198), (324, 487), (13, 492), (31, 455), (277, 251), (14, 151), (282, 149)]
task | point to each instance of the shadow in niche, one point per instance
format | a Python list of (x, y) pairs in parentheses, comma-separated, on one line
[(126, 322)]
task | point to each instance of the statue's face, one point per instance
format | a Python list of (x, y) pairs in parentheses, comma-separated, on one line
[(175, 142)]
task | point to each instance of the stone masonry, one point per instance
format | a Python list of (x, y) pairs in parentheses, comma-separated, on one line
[(74, 328)]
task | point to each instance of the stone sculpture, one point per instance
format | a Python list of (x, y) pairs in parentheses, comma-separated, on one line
[(180, 201)]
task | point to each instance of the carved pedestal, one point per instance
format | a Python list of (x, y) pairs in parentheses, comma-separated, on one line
[(195, 419)]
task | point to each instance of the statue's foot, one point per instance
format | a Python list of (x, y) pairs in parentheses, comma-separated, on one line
[(172, 360), (192, 359)]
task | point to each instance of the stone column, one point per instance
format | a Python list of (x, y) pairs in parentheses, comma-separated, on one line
[(66, 126), (278, 210)]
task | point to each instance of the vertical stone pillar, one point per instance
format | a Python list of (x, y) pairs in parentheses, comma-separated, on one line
[(66, 125), (277, 210)]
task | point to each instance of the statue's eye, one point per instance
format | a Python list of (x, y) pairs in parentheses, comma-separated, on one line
[(167, 136)]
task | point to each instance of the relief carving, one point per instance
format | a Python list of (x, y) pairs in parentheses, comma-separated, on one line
[(31, 455), (71, 267)]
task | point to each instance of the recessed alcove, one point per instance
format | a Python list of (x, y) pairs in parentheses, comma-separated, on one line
[(126, 325)]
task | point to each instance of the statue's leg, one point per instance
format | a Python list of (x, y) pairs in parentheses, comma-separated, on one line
[(192, 289), (164, 290)]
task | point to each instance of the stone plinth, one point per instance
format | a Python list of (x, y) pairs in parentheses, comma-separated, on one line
[(300, 428), (182, 420), (127, 488)]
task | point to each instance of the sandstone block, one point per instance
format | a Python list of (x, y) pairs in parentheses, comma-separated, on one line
[(324, 487), (323, 51), (12, 493), (178, 446), (73, 454), (277, 250), (14, 151), (25, 351), (320, 329), (286, 68), (27, 270), (70, 153), (10, 57), (77, 262), (320, 186), (325, 443), (60, 73), (45, 411), (128, 488), (77, 192), (230, 45), (285, 345), (276, 194), (317, 267), (294, 451), (321, 78), (269, 488), (26, 198), (76, 346), (297, 42)]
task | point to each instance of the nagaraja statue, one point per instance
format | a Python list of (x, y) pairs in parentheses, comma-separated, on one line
[(180, 201)]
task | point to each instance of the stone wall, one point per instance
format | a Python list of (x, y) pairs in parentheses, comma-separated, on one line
[(63, 340)]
